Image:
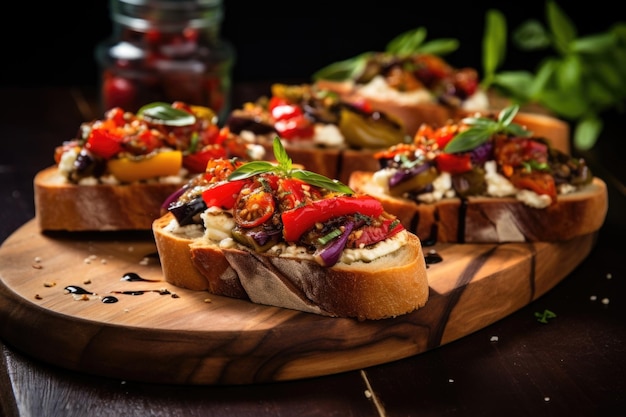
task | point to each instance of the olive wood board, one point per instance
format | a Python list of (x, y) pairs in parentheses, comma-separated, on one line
[(164, 334)]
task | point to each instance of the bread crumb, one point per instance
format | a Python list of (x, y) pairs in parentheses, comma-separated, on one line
[(546, 399), (90, 258), (87, 281), (37, 266), (208, 300), (450, 380), (37, 259), (609, 276), (49, 284), (593, 297), (494, 339), (368, 393), (38, 297), (605, 301)]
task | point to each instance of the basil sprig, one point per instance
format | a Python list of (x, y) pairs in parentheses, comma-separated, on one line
[(165, 114), (406, 44), (483, 128), (285, 167)]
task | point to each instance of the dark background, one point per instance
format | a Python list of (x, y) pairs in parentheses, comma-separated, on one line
[(51, 44)]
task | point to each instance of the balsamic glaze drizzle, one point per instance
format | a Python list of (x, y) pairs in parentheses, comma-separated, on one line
[(128, 277)]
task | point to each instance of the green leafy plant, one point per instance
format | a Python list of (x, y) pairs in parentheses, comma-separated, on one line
[(482, 128), (583, 77), (406, 44), (285, 167)]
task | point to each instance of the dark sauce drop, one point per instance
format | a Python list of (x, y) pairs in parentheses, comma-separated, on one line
[(73, 289), (109, 299), (134, 277), (432, 257)]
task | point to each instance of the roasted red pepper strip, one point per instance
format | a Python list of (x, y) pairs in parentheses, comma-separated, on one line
[(301, 219), (453, 163), (223, 194)]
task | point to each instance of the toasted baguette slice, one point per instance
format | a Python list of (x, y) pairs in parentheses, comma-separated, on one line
[(413, 115), (388, 286), (493, 220), (335, 162), (60, 205)]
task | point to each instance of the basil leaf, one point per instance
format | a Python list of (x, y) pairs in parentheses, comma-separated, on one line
[(563, 30), (164, 113), (250, 169), (517, 130), (494, 42), (587, 131), (321, 181), (505, 117), (439, 46), (284, 162), (468, 140), (407, 42), (531, 36), (343, 70), (478, 121)]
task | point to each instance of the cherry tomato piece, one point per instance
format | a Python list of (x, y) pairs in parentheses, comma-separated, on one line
[(103, 143), (254, 206)]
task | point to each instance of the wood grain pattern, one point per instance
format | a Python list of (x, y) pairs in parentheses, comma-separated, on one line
[(181, 336)]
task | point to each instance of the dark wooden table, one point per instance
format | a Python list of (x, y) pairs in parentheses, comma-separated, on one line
[(573, 365)]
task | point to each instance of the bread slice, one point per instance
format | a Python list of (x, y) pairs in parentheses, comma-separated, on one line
[(60, 205), (388, 286), (340, 162), (413, 115), (493, 220)]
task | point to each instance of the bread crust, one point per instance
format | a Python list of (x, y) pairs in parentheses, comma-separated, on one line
[(60, 205), (389, 286), (494, 220)]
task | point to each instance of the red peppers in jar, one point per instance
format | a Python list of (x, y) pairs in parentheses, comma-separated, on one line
[(166, 50)]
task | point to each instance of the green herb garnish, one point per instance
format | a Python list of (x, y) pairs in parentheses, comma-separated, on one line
[(483, 128), (285, 167), (544, 316), (329, 236), (406, 44), (164, 113)]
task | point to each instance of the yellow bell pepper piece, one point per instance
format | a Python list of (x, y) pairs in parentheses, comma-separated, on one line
[(159, 165)]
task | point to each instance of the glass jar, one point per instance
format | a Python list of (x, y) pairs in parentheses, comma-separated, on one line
[(166, 50)]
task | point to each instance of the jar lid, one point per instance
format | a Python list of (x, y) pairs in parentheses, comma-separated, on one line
[(167, 15)]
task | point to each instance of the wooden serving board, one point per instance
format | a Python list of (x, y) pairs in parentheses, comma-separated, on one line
[(162, 334)]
